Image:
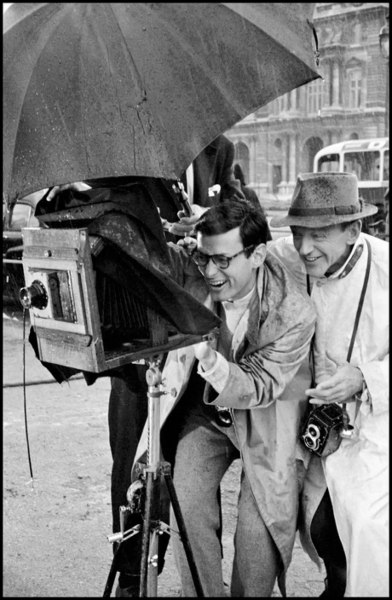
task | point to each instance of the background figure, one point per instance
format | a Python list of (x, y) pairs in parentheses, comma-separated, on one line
[(213, 166), (249, 193)]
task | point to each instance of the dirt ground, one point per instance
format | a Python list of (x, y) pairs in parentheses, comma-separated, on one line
[(55, 530)]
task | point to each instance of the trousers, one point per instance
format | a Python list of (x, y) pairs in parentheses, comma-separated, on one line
[(326, 540), (204, 453)]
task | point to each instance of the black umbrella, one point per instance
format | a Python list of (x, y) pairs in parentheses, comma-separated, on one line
[(109, 89)]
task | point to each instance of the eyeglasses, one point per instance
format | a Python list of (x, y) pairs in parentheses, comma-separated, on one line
[(221, 261)]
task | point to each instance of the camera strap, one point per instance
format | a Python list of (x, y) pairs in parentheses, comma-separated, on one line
[(357, 317), (356, 322), (361, 299)]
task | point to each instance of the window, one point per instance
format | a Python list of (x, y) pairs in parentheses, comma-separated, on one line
[(354, 81), (315, 99), (366, 165), (386, 166), (330, 162)]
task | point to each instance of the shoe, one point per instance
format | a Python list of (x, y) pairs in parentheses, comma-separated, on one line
[(127, 592), (324, 594), (333, 591)]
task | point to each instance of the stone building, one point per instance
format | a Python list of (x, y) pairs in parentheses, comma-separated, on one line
[(281, 139)]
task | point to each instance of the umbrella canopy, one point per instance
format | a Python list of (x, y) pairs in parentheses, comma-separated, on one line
[(109, 89)]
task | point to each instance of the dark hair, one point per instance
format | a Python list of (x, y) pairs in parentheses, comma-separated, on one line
[(239, 174), (230, 214)]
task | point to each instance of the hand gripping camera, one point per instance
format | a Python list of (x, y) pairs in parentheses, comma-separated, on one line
[(321, 434)]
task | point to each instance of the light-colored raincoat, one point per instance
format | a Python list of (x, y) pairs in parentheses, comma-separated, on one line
[(270, 343), (357, 473)]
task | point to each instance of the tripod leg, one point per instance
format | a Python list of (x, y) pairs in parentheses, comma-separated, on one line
[(149, 558), (146, 536), (181, 526), (111, 576)]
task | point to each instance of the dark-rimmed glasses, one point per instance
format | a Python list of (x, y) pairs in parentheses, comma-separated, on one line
[(221, 261)]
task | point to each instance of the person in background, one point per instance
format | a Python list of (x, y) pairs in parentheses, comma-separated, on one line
[(249, 192), (234, 399), (345, 498), (207, 180)]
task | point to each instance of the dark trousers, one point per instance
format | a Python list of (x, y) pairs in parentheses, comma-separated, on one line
[(128, 408), (326, 540), (127, 415)]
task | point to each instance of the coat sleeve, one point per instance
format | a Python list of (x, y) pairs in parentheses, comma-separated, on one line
[(259, 378), (376, 375)]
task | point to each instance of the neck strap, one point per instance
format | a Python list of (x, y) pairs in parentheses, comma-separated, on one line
[(359, 310), (360, 304)]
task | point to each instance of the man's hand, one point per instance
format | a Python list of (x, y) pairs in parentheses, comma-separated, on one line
[(188, 244), (185, 224), (340, 387), (206, 355), (78, 186)]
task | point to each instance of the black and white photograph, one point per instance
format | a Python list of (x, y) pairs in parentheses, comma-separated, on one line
[(196, 300)]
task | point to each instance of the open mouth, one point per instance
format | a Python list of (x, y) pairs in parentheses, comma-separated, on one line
[(216, 285), (311, 259)]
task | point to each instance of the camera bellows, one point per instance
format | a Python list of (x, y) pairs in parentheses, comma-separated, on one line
[(123, 317)]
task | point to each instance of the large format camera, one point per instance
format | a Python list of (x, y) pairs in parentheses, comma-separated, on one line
[(86, 321), (321, 434), (101, 284)]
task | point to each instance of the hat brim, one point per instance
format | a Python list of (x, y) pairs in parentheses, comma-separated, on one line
[(323, 220)]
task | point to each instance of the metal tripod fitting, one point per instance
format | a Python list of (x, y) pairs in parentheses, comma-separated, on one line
[(154, 392), (153, 376)]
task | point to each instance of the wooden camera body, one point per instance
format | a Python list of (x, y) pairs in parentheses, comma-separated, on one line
[(61, 296)]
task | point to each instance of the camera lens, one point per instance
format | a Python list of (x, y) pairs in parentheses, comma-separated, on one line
[(34, 296), (309, 442), (313, 431)]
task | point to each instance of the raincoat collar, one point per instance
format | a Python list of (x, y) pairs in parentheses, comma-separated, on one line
[(351, 261)]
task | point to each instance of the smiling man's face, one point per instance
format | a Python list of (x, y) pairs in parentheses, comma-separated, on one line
[(238, 278), (323, 250)]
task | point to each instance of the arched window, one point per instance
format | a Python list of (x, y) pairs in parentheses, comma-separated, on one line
[(311, 147)]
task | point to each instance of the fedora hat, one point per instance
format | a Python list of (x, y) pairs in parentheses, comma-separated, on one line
[(322, 199)]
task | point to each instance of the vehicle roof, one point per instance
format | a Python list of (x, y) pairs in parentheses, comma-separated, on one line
[(352, 145)]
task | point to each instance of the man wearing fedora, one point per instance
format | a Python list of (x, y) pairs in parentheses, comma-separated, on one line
[(344, 501)]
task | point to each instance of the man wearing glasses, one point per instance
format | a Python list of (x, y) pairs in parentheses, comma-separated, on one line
[(229, 400)]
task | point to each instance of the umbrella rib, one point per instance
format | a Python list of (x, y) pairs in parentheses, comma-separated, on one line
[(138, 77), (136, 70)]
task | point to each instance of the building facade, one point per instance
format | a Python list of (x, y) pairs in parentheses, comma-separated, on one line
[(280, 139)]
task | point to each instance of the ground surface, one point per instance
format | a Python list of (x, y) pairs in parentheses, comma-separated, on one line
[(54, 534)]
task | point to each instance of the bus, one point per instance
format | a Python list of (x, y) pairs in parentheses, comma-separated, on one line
[(369, 160)]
